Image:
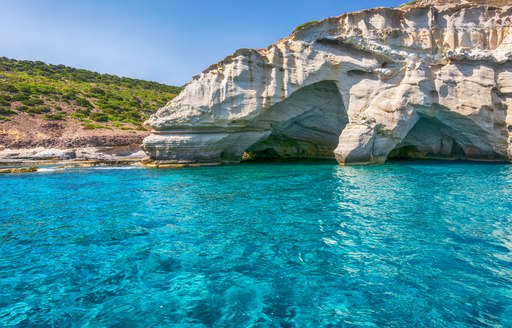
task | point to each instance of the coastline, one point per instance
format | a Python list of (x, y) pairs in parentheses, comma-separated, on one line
[(28, 160), (31, 159)]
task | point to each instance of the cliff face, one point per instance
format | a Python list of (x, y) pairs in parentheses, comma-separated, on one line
[(428, 80)]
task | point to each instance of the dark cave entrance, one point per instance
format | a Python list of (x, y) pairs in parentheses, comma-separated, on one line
[(306, 125), (431, 139)]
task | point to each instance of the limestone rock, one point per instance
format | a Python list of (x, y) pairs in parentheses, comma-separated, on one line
[(108, 154), (429, 80)]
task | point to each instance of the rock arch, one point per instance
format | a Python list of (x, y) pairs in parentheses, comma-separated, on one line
[(305, 125)]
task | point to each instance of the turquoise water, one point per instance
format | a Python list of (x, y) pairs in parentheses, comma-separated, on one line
[(408, 244)]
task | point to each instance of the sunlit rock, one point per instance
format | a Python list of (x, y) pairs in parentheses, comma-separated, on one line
[(428, 80)]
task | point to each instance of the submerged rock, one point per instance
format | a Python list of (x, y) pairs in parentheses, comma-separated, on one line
[(18, 170), (429, 80)]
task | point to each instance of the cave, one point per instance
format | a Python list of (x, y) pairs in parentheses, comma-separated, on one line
[(307, 124), (432, 139)]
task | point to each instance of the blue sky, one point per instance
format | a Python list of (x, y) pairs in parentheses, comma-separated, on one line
[(164, 41)]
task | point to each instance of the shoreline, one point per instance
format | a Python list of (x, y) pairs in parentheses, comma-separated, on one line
[(33, 159)]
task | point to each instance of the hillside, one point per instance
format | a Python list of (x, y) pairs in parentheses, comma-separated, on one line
[(44, 105)]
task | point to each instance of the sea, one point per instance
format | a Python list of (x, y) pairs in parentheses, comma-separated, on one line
[(280, 244)]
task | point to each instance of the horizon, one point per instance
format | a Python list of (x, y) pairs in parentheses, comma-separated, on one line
[(163, 42)]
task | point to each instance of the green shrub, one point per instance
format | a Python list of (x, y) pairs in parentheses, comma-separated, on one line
[(408, 3), (98, 117), (5, 101), (38, 110), (36, 88), (22, 108), (85, 112), (97, 91), (55, 116), (78, 116), (110, 111), (33, 102), (132, 115), (306, 24), (43, 89), (6, 111), (110, 107), (20, 97), (92, 126), (6, 87), (69, 96), (3, 118), (84, 103)]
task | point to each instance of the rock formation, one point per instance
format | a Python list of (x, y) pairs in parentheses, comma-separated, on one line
[(431, 79)]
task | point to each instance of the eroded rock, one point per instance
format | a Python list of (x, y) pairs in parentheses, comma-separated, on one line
[(429, 80)]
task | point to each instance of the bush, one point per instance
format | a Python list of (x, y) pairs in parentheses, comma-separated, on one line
[(38, 110), (408, 3), (110, 111), (92, 126), (55, 117), (97, 91), (36, 88), (79, 116), (20, 97), (6, 111), (5, 101), (132, 115), (110, 107), (69, 96), (43, 89), (85, 112), (33, 102), (306, 24), (98, 117), (84, 103), (6, 87)]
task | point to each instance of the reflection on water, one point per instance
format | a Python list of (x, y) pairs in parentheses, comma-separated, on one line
[(266, 245)]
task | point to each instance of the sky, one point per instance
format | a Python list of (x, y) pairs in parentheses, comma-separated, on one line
[(167, 41)]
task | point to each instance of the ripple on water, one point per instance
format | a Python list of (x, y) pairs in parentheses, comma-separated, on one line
[(281, 245)]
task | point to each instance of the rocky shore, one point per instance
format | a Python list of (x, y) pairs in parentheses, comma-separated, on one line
[(26, 138)]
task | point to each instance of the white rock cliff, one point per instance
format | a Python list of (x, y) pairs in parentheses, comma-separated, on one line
[(428, 80)]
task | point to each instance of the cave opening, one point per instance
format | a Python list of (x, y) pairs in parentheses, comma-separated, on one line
[(306, 125), (431, 139)]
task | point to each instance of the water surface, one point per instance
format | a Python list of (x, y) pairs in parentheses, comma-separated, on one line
[(407, 244)]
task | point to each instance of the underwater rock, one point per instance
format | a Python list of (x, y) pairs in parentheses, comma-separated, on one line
[(18, 170)]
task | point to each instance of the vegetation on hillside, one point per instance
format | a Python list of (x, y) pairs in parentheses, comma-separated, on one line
[(408, 3), (304, 25), (58, 92)]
